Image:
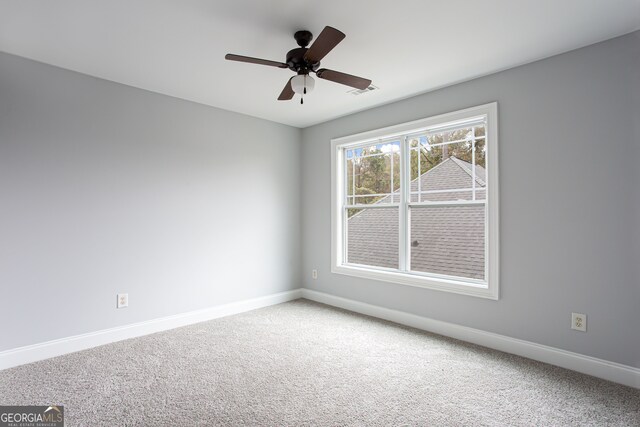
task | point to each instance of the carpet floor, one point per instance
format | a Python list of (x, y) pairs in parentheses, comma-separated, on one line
[(307, 364)]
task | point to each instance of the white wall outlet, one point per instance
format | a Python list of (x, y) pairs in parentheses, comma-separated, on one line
[(579, 322), (314, 274), (123, 300)]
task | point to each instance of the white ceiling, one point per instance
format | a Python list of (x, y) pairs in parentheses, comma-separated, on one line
[(177, 47)]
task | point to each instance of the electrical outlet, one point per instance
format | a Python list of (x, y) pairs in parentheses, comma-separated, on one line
[(579, 322), (123, 300), (314, 274)]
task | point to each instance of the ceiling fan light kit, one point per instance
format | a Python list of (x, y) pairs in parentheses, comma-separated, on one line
[(302, 84), (303, 60)]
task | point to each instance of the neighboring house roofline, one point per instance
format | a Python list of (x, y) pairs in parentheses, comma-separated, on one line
[(466, 168)]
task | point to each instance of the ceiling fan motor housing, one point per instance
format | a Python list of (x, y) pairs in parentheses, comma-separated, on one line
[(295, 57), (297, 63)]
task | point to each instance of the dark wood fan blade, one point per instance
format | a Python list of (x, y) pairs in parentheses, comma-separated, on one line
[(343, 78), (327, 40), (240, 58), (287, 92)]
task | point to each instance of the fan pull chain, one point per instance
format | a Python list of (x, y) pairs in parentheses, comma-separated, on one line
[(301, 100)]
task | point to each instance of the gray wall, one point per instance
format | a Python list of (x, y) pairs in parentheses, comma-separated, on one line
[(105, 188), (568, 190)]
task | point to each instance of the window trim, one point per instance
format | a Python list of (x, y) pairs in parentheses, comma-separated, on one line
[(429, 281)]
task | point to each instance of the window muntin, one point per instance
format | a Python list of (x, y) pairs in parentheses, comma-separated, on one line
[(425, 221)]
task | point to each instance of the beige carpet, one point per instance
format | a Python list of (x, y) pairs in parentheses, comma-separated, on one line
[(302, 363)]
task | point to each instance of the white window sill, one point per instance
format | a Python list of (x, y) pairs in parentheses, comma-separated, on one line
[(440, 284)]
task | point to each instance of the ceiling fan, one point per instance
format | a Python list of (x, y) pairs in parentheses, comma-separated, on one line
[(305, 60)]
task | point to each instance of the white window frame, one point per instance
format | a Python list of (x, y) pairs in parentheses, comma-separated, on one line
[(488, 288)]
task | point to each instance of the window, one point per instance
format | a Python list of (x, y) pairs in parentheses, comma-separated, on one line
[(417, 203)]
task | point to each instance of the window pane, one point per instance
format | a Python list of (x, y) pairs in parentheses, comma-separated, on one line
[(480, 171), (349, 181), (420, 151), (448, 240), (395, 158), (481, 152), (372, 237), (442, 165), (373, 173), (442, 170)]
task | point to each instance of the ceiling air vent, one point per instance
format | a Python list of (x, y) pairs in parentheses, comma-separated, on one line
[(361, 91)]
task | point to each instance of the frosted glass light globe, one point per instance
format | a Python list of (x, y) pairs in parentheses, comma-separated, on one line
[(299, 82)]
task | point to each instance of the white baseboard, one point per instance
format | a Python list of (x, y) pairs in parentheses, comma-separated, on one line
[(45, 350), (604, 369), (616, 372)]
